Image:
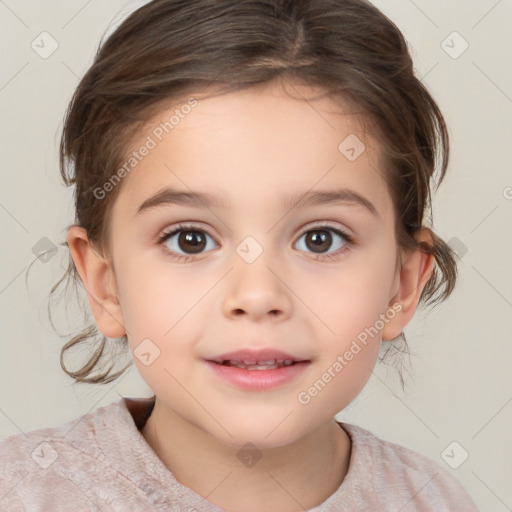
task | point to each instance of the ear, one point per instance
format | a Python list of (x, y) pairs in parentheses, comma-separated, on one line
[(415, 270), (99, 280)]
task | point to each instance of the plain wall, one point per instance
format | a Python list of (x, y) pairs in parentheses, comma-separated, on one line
[(458, 387)]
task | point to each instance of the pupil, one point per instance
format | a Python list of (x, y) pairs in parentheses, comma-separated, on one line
[(194, 239), (321, 240)]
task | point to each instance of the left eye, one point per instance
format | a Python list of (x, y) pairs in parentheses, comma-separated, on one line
[(320, 240), (190, 241)]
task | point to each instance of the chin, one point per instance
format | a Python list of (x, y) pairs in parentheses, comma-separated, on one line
[(264, 435)]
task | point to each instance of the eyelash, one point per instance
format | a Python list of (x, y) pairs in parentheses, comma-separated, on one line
[(320, 227)]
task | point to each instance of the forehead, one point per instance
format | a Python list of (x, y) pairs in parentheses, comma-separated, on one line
[(254, 144)]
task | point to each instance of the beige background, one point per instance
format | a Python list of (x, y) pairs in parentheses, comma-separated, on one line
[(459, 387)]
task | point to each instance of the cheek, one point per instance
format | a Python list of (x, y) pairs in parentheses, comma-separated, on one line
[(350, 308), (352, 298), (156, 296), (162, 308)]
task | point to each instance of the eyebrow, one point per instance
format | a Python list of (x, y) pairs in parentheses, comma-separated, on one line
[(170, 196)]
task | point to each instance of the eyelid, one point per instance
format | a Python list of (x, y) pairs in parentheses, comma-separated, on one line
[(183, 226), (347, 233)]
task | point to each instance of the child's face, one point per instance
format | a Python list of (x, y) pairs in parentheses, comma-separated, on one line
[(253, 152)]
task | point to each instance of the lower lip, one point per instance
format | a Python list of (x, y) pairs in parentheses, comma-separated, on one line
[(258, 380)]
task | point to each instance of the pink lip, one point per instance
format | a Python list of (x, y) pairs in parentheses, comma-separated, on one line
[(258, 380), (255, 355)]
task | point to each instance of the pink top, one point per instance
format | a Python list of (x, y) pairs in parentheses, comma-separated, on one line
[(101, 462)]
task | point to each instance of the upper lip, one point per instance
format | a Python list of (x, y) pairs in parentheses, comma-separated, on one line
[(256, 355)]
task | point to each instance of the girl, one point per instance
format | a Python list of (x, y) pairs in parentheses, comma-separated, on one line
[(252, 181)]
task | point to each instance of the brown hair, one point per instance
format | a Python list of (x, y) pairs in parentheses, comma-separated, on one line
[(168, 49)]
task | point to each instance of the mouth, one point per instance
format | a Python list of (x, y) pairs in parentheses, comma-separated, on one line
[(271, 364), (263, 359), (260, 370)]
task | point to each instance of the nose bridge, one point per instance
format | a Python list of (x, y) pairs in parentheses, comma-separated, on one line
[(255, 286)]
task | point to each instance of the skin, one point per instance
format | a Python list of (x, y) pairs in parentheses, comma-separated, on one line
[(252, 149)]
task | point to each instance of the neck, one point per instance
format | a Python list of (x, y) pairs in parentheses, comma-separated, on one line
[(289, 478)]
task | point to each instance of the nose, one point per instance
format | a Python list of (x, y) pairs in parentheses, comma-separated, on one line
[(257, 291)]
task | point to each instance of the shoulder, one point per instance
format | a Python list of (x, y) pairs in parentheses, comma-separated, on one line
[(42, 467), (40, 448), (403, 478)]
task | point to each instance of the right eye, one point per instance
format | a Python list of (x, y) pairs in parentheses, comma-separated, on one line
[(190, 240)]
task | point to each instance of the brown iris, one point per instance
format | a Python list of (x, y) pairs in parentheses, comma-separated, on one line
[(320, 240), (192, 241)]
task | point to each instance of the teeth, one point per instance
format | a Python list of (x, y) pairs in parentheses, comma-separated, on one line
[(271, 364)]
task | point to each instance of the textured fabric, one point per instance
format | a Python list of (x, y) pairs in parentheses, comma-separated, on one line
[(101, 462)]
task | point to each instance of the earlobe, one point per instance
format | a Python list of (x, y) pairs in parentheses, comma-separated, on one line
[(415, 271), (99, 281)]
